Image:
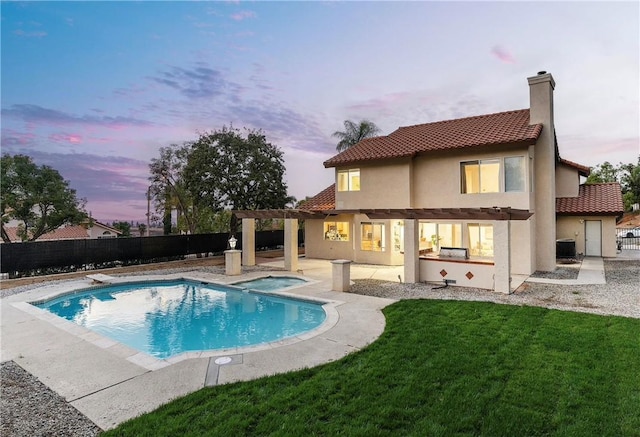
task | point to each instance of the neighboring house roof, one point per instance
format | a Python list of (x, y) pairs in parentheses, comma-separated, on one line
[(511, 127), (107, 227), (593, 199), (583, 170), (324, 200), (71, 232), (76, 232)]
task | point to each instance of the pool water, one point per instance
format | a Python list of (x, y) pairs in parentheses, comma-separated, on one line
[(171, 317)]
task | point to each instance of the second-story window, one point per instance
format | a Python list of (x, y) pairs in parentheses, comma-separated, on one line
[(349, 180), (481, 176), (514, 174), (493, 175)]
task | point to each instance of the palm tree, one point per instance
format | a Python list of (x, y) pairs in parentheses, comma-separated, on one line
[(354, 133)]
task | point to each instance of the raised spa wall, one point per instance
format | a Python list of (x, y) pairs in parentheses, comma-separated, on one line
[(464, 273)]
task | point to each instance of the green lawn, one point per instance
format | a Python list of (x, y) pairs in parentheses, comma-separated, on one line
[(440, 368)]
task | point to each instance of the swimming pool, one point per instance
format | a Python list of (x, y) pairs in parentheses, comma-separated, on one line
[(166, 318)]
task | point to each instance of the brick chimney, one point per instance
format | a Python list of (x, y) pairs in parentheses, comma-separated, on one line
[(541, 112)]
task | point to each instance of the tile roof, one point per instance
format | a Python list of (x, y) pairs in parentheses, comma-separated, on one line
[(66, 233), (509, 127), (324, 200), (582, 169), (593, 199)]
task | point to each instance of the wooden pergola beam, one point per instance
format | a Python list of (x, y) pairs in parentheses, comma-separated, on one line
[(495, 213), (278, 214)]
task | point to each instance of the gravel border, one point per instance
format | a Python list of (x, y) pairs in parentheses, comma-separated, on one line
[(620, 296), (29, 408), (565, 271)]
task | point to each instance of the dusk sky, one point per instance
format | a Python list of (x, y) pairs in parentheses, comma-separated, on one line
[(94, 89)]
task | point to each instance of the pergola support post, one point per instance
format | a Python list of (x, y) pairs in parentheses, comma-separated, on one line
[(248, 242), (501, 256), (411, 251), (291, 245)]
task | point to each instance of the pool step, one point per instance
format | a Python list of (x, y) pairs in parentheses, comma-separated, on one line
[(100, 278)]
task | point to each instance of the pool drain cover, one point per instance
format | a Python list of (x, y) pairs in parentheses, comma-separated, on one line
[(223, 360)]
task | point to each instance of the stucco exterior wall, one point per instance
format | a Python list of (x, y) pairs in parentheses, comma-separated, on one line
[(381, 186), (437, 182), (317, 247), (522, 255), (567, 181), (573, 227)]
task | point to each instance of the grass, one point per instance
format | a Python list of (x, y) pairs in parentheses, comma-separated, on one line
[(441, 368)]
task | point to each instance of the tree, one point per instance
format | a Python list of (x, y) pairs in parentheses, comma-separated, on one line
[(37, 196), (124, 227), (167, 187), (354, 133), (630, 181), (628, 175), (142, 229), (226, 170), (213, 222), (604, 172)]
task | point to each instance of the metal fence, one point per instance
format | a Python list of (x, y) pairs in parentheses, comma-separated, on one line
[(628, 238), (76, 254)]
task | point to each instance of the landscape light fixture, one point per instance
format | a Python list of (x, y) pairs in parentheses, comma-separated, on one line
[(232, 242)]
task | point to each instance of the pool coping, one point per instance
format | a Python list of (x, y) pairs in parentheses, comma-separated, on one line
[(111, 383)]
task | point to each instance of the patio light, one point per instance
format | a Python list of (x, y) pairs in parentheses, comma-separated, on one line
[(232, 242)]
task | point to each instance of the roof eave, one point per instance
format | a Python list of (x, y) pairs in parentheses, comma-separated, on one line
[(520, 143), (589, 213), (329, 164)]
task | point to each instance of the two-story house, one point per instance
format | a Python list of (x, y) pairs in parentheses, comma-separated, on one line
[(472, 200)]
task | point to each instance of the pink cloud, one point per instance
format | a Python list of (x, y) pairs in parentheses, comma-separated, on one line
[(66, 138), (36, 115), (243, 15), (12, 137), (503, 54)]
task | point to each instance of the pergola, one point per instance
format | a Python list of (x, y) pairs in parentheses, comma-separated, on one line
[(500, 216)]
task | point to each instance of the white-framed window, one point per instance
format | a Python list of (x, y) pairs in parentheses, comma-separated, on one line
[(480, 239), (493, 175), (349, 180), (433, 236), (336, 231), (372, 237)]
